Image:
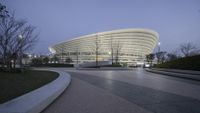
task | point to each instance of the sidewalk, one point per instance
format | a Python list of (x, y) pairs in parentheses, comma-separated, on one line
[(82, 97)]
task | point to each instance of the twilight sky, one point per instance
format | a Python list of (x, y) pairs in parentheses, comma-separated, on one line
[(176, 21)]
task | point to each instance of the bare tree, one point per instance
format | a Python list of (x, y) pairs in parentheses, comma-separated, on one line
[(171, 56), (16, 37), (3, 14), (161, 57), (45, 60), (117, 46), (95, 46), (77, 53), (68, 60), (150, 58), (3, 11), (61, 55), (188, 49), (54, 59)]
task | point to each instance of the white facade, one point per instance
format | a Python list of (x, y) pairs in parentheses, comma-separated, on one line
[(129, 46)]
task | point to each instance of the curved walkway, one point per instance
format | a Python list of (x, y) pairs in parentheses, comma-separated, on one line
[(133, 91), (82, 97)]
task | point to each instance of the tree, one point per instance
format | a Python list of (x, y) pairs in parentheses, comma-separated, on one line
[(1, 61), (62, 54), (95, 46), (3, 14), (54, 59), (45, 60), (150, 58), (16, 37), (171, 56), (68, 60), (161, 56), (117, 46), (188, 49), (77, 54), (97, 49), (36, 61), (3, 11)]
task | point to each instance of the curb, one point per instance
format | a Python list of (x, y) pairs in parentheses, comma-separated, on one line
[(192, 72), (37, 100), (179, 75)]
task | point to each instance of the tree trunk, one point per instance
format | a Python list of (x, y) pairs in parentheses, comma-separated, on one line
[(14, 63), (97, 58)]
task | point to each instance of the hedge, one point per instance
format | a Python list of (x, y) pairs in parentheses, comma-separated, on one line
[(52, 65), (186, 63)]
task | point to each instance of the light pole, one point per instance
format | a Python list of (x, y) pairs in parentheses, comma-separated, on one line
[(111, 49), (77, 53), (97, 49), (159, 46), (61, 58), (158, 54), (21, 53)]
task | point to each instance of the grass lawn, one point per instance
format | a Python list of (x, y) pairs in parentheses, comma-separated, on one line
[(16, 84)]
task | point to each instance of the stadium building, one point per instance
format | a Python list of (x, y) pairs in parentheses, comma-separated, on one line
[(125, 46)]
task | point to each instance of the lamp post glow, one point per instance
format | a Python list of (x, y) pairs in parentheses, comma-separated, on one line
[(20, 37)]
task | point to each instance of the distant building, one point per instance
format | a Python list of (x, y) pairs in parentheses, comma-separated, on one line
[(125, 46)]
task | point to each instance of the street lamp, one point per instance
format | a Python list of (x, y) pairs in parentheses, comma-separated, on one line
[(111, 39), (20, 37), (21, 54), (157, 55), (159, 46)]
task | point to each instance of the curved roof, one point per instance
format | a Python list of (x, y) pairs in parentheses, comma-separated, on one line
[(141, 40)]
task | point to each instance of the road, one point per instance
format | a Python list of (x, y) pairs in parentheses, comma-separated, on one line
[(127, 91)]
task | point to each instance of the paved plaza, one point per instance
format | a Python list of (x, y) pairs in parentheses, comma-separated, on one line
[(126, 91)]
